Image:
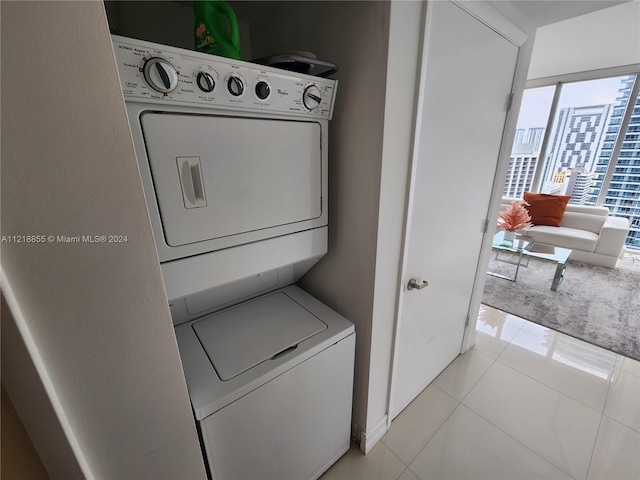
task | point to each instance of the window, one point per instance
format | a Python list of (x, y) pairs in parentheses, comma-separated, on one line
[(534, 114), (581, 136)]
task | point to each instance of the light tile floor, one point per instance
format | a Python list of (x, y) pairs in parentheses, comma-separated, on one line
[(630, 260), (525, 402)]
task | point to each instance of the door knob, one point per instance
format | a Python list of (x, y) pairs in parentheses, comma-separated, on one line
[(414, 285)]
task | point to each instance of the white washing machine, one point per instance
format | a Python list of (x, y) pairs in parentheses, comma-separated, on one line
[(233, 161)]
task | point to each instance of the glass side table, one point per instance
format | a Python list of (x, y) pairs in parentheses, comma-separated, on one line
[(519, 246)]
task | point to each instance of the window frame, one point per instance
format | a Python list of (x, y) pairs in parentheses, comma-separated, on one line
[(561, 80)]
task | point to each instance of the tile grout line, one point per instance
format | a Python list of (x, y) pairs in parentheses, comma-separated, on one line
[(506, 433), (437, 429), (497, 360), (601, 413), (554, 389), (394, 455), (433, 384), (593, 449), (621, 373), (604, 407), (459, 402), (493, 361), (550, 387), (519, 442), (620, 423)]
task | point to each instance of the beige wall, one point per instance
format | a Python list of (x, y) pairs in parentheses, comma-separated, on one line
[(367, 185), (19, 458), (355, 36), (90, 358)]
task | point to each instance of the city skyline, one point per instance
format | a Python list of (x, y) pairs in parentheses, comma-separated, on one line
[(581, 157)]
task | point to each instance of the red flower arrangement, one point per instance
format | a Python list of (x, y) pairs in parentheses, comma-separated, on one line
[(515, 217)]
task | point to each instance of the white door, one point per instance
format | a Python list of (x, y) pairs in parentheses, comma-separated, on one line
[(466, 84)]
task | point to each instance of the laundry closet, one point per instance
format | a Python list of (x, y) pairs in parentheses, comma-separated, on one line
[(113, 373), (405, 96), (233, 158)]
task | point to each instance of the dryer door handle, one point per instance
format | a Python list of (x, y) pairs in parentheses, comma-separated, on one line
[(191, 181)]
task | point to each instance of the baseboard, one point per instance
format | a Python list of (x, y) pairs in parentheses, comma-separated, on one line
[(369, 439)]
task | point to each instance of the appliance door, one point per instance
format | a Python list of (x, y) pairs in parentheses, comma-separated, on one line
[(260, 330), (219, 177), (293, 427)]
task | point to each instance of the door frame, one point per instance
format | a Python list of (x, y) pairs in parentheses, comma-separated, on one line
[(524, 42)]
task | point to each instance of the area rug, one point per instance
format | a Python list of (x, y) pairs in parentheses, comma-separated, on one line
[(598, 305)]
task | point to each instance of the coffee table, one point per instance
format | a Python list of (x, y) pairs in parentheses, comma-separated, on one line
[(552, 254), (517, 246), (525, 246)]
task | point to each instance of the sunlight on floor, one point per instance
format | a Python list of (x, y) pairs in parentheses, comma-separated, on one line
[(524, 402)]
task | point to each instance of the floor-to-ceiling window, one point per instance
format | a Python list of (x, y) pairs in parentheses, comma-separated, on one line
[(581, 138)]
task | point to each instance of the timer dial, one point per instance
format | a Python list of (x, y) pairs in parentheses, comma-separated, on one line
[(205, 82), (263, 90), (235, 85), (160, 74), (311, 97)]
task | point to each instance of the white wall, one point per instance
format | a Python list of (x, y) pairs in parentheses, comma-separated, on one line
[(90, 331), (403, 64), (603, 39)]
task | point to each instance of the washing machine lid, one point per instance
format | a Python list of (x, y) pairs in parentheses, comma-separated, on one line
[(242, 337)]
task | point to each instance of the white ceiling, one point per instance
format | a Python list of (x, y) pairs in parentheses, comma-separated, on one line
[(546, 12)]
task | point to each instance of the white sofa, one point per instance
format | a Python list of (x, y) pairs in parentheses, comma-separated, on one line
[(594, 236)]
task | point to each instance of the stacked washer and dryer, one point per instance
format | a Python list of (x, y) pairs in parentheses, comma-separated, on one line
[(233, 161)]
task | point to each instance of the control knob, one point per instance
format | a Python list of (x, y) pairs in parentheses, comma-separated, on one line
[(311, 97), (160, 74), (263, 90), (205, 82), (235, 85)]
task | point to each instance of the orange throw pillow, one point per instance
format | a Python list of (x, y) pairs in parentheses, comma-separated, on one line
[(546, 209)]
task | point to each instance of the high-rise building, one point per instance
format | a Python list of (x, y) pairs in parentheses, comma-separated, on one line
[(519, 136), (580, 186), (552, 188), (560, 176), (623, 194), (520, 175), (534, 137), (522, 167), (576, 138), (524, 158)]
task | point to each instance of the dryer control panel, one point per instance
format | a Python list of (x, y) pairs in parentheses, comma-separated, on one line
[(156, 73)]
